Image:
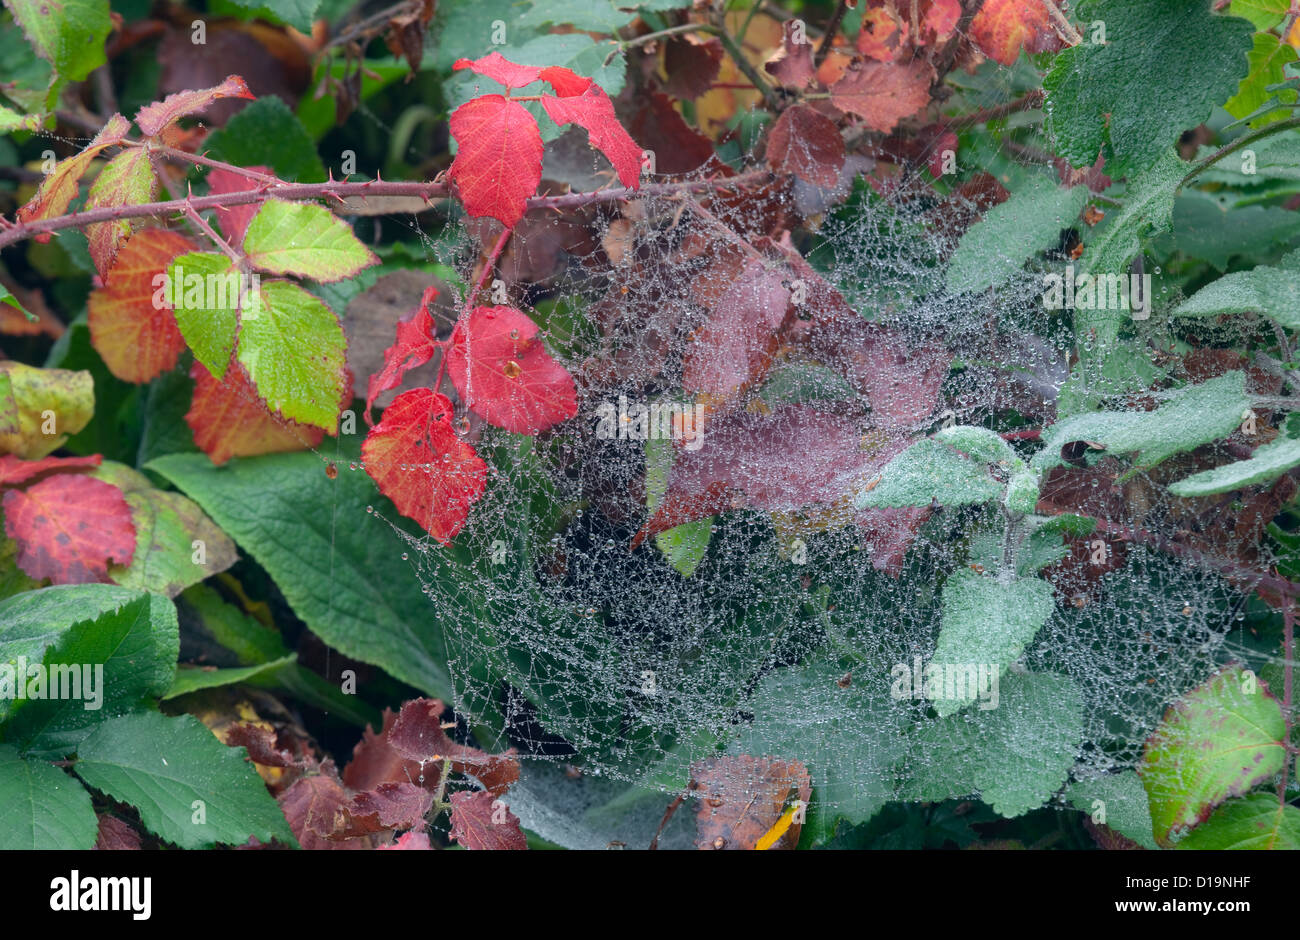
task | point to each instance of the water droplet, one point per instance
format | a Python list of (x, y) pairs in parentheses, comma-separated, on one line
[(331, 470), (370, 509), (405, 557)]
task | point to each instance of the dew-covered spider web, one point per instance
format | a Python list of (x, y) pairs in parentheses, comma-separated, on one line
[(626, 600)]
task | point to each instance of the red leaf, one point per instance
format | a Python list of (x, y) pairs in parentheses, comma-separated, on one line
[(15, 472), (387, 806), (233, 221), (808, 144), (499, 163), (656, 126), (594, 112), (418, 735), (416, 435), (500, 69), (414, 346), (138, 339), (883, 34), (315, 806), (230, 420), (939, 20), (566, 82), (153, 118), (792, 65), (69, 528), (1003, 27), (480, 821), (504, 373), (882, 95)]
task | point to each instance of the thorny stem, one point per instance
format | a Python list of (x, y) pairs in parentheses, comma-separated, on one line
[(236, 257), (11, 232), (488, 267), (661, 34)]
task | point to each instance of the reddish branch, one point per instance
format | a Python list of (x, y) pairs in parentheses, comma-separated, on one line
[(18, 231)]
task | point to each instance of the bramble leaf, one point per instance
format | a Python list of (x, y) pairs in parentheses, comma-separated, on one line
[(229, 419), (504, 373), (45, 808), (154, 118), (127, 179), (131, 322), (69, 527), (304, 240), (42, 407), (416, 435), (499, 161), (1219, 740)]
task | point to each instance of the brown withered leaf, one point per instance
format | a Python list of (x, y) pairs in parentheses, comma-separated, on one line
[(482, 822), (883, 94), (388, 806), (691, 64), (405, 35), (314, 805), (742, 797), (808, 144), (792, 64)]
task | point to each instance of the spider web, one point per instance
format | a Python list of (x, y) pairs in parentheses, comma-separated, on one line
[(611, 670)]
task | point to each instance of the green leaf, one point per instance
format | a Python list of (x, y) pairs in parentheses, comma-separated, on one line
[(926, 472), (1121, 802), (33, 622), (1218, 741), (163, 765), (208, 319), (1256, 821), (1147, 211), (45, 808), (1190, 417), (1164, 66), (682, 546), (979, 444), (136, 646), (847, 736), (1045, 545), (192, 678), (69, 34), (1214, 228), (1267, 63), (250, 641), (297, 13), (1015, 755), (336, 564), (267, 133), (996, 247), (11, 120), (1268, 291), (1268, 462), (592, 16), (987, 622), (304, 240), (1265, 14), (293, 348)]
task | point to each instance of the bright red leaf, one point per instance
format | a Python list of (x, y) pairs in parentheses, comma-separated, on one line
[(15, 471), (504, 373), (153, 118), (414, 346), (69, 528), (137, 338), (429, 473), (566, 82), (594, 112), (481, 821), (500, 69), (499, 161)]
